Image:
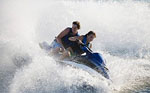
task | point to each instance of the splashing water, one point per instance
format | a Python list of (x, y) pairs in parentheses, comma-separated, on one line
[(122, 28)]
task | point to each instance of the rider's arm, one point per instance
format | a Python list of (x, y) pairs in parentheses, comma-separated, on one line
[(90, 46), (76, 38), (62, 34)]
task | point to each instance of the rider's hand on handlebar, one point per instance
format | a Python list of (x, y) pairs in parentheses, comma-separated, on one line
[(80, 42)]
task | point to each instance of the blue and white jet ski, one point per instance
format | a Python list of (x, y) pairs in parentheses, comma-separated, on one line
[(94, 61), (90, 59)]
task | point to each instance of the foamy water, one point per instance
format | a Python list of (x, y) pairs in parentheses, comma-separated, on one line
[(122, 29)]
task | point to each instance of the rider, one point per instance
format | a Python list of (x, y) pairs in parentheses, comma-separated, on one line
[(62, 41), (75, 48), (82, 40)]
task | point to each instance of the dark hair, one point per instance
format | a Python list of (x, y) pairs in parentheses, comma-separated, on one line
[(77, 23), (91, 32)]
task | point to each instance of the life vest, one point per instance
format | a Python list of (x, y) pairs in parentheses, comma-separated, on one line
[(85, 40), (65, 40)]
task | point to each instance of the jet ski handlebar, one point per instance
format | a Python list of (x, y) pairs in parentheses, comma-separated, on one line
[(84, 47)]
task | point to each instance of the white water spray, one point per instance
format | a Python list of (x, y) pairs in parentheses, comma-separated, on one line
[(122, 30)]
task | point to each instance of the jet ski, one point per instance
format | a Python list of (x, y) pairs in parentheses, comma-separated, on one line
[(94, 61), (90, 59)]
